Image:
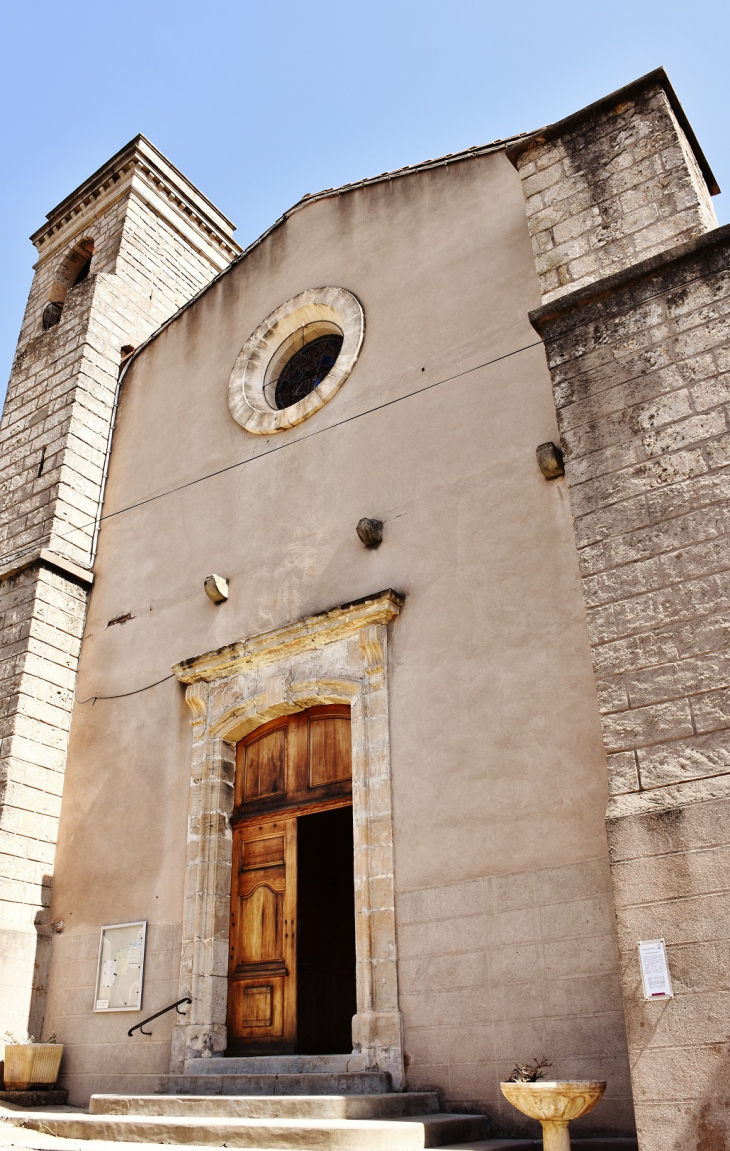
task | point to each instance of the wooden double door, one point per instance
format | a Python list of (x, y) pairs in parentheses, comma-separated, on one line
[(291, 984)]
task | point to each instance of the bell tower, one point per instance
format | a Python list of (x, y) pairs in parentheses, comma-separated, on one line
[(116, 259)]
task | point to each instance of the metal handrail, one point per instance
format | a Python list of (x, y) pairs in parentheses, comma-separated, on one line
[(140, 1026)]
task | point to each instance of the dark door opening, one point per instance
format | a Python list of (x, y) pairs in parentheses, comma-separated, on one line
[(326, 995)]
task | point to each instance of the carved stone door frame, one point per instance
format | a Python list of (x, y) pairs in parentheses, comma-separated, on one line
[(339, 656)]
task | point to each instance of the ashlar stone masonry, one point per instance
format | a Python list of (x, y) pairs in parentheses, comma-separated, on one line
[(639, 362)]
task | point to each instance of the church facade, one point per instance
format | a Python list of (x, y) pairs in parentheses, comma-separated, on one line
[(363, 611)]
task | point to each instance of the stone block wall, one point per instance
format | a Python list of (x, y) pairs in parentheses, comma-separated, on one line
[(614, 184), (56, 422), (636, 324), (641, 378), (642, 388), (157, 261), (41, 621), (154, 246), (506, 969)]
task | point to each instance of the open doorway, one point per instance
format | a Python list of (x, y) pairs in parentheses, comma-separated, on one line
[(326, 991)]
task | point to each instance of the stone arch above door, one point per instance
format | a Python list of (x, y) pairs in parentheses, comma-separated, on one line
[(339, 656)]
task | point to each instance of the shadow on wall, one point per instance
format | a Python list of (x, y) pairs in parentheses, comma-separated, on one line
[(44, 932)]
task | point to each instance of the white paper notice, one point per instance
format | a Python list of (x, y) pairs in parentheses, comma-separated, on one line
[(655, 970), (108, 973), (102, 1004), (135, 954)]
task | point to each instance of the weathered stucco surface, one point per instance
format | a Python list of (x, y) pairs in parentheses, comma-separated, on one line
[(503, 916)]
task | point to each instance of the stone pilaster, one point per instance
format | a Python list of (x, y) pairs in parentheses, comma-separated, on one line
[(639, 361), (153, 241)]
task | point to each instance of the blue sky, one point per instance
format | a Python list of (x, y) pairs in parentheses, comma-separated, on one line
[(258, 103)]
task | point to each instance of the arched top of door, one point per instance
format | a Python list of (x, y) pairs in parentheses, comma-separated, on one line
[(297, 761)]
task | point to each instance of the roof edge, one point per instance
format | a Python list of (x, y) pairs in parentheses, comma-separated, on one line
[(310, 198), (656, 78), (139, 147)]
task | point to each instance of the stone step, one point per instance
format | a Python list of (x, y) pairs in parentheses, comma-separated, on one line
[(308, 1083), (395, 1105), (407, 1134), (277, 1065)]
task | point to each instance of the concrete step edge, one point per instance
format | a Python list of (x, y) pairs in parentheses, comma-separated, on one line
[(280, 1065), (443, 1120), (393, 1104), (332, 1135), (345, 1083)]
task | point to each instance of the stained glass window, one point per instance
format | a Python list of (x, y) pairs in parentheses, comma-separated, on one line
[(307, 368)]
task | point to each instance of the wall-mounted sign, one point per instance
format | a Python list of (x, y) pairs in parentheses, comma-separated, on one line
[(655, 969), (121, 966)]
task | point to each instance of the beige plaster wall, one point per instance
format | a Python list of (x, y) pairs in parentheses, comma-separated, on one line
[(497, 762)]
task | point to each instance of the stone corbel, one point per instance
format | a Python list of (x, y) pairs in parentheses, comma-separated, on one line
[(196, 697), (373, 649)]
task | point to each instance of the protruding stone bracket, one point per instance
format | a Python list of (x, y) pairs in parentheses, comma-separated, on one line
[(196, 697), (339, 656)]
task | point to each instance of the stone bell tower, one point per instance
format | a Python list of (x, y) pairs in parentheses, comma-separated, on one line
[(117, 258)]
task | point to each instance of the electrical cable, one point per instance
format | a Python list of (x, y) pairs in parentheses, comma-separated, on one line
[(290, 443), (408, 395), (122, 694)]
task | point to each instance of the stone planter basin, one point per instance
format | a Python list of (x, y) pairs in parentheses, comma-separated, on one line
[(31, 1065), (555, 1104)]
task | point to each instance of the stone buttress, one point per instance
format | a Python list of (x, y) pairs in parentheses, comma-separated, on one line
[(636, 324)]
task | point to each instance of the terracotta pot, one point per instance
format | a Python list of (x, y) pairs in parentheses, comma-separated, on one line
[(31, 1065), (555, 1104)]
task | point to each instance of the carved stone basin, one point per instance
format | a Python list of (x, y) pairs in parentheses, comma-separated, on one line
[(555, 1104)]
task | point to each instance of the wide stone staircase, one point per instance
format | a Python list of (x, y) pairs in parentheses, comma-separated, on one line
[(322, 1103), (317, 1103)]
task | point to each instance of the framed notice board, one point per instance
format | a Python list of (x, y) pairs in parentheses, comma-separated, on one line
[(121, 967)]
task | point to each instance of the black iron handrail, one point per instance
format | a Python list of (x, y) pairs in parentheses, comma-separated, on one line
[(140, 1026)]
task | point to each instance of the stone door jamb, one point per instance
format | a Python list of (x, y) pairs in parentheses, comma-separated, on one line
[(338, 656)]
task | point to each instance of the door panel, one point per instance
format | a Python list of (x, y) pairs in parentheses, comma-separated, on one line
[(293, 761), (262, 968), (263, 767), (330, 754), (291, 767)]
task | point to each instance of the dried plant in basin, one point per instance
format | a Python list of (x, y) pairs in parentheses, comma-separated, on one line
[(529, 1072)]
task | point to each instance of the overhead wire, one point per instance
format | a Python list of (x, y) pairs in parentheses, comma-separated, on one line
[(240, 463), (281, 447), (320, 431), (14, 556), (124, 694)]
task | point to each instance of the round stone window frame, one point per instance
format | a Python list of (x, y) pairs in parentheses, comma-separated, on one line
[(328, 309)]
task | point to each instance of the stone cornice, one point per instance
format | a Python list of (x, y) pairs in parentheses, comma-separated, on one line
[(140, 167), (710, 245), (50, 559), (306, 634)]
